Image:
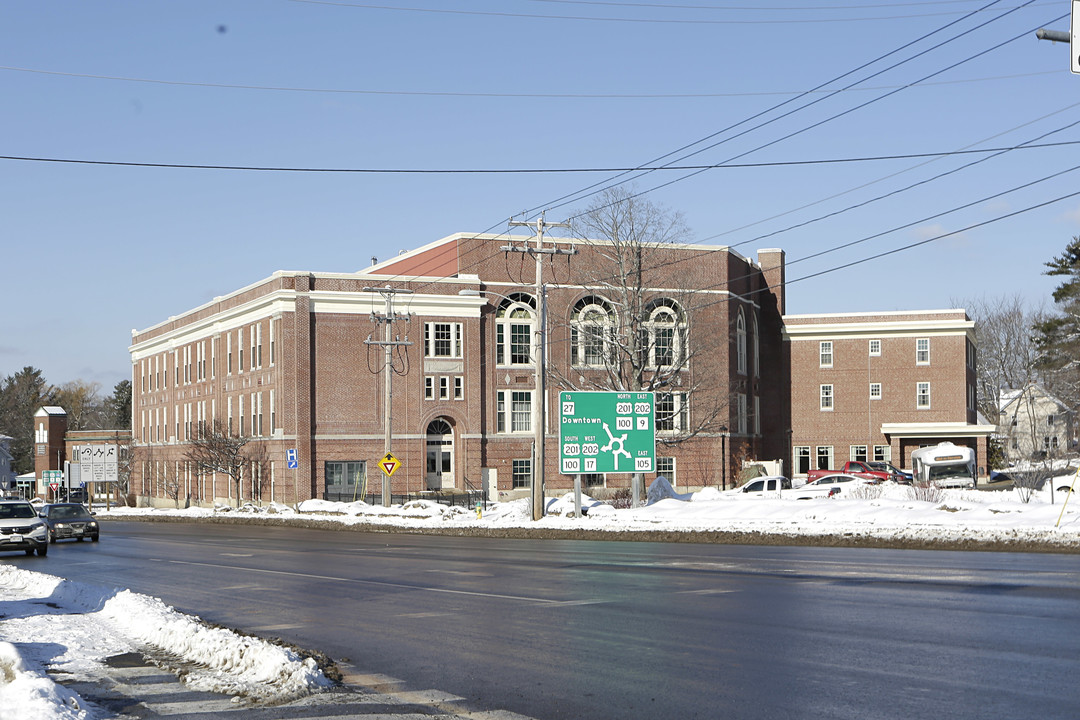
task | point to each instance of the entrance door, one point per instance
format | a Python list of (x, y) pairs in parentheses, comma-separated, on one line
[(440, 455)]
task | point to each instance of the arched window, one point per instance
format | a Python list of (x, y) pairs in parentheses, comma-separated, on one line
[(514, 330), (740, 342), (592, 332), (755, 345), (664, 334)]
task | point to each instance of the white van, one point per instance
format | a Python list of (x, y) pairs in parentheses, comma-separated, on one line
[(944, 465)]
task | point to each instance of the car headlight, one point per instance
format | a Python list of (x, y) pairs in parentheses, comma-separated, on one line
[(60, 525), (91, 524), (38, 529)]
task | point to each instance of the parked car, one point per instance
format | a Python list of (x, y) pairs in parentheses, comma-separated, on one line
[(70, 521), (898, 475), (837, 484), (852, 467), (22, 529), (763, 487)]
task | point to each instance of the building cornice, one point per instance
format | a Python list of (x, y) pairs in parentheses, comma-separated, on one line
[(877, 329), (936, 429)]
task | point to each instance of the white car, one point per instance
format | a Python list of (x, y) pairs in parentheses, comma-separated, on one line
[(772, 486), (22, 529), (835, 485)]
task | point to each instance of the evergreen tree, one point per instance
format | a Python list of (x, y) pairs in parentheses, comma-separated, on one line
[(118, 407), (1058, 338), (21, 395)]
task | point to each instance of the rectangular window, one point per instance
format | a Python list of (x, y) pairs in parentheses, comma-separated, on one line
[(757, 415), (429, 388), (228, 354), (272, 356), (254, 416), (666, 466), (345, 474), (824, 457), (514, 411), (593, 479), (520, 342), (802, 459), (875, 391), (882, 453), (444, 387), (240, 415), (825, 354), (741, 414), (459, 387), (826, 397), (260, 426), (922, 395), (521, 473), (922, 351), (671, 412), (857, 452), (240, 350), (258, 346), (273, 413), (875, 348), (442, 340)]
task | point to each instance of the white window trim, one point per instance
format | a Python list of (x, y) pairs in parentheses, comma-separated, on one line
[(456, 340), (918, 396), (822, 352), (918, 351), (871, 350), (876, 385), (824, 395), (504, 409)]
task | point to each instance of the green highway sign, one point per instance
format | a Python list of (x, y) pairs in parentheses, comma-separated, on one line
[(606, 432)]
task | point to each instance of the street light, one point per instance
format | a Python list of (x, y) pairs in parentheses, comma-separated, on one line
[(539, 416)]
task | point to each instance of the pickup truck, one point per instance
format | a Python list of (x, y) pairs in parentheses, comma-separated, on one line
[(852, 467)]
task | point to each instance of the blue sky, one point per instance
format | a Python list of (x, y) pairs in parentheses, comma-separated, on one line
[(92, 251)]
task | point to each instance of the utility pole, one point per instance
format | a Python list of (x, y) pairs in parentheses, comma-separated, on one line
[(539, 416), (388, 345)]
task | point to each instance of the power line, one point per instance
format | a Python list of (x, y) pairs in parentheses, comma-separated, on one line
[(523, 171), (837, 115), (590, 190)]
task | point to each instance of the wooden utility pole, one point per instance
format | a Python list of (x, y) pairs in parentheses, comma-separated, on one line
[(388, 344), (539, 417)]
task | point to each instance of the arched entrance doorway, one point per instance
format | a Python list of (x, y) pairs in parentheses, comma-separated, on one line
[(440, 455)]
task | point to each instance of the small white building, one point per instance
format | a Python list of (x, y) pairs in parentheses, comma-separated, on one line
[(1034, 423)]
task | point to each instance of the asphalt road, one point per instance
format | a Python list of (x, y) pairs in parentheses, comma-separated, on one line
[(587, 629)]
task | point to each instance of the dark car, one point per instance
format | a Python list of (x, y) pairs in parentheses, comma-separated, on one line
[(70, 520), (898, 475), (21, 529)]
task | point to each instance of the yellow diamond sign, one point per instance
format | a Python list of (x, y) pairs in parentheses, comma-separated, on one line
[(389, 464)]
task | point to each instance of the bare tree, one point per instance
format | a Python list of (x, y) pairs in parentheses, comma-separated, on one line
[(83, 403), (1007, 351), (637, 334), (216, 448)]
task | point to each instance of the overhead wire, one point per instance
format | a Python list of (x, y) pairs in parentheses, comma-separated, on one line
[(848, 111), (594, 188)]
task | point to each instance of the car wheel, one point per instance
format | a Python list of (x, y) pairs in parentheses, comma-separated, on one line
[(30, 551), (52, 537), (94, 538), (43, 550), (79, 539)]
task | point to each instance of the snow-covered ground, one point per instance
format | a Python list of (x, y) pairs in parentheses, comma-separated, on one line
[(53, 623)]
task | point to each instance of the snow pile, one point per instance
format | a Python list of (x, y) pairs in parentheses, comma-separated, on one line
[(32, 695), (73, 627)]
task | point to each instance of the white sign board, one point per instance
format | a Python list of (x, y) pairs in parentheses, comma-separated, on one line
[(98, 463), (1074, 45)]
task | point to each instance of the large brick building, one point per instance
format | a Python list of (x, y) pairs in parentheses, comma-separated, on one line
[(293, 361), (876, 386)]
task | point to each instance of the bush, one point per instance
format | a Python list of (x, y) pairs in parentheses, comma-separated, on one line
[(928, 493)]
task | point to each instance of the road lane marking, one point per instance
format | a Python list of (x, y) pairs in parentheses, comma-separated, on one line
[(377, 583)]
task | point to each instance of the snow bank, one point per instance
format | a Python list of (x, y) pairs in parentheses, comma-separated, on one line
[(72, 627)]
